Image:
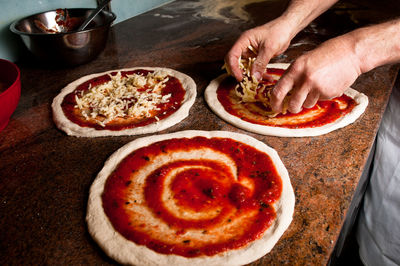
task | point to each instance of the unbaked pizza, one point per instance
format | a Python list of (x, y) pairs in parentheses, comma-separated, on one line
[(190, 198), (246, 105), (124, 102)]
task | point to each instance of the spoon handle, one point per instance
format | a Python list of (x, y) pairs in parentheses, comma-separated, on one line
[(93, 14)]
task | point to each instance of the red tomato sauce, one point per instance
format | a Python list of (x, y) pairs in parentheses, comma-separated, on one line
[(331, 107), (276, 71), (205, 185), (173, 87)]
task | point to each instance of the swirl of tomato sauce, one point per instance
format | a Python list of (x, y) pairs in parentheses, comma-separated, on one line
[(199, 186), (164, 110), (331, 108)]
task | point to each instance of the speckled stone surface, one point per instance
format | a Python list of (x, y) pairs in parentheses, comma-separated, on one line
[(45, 175)]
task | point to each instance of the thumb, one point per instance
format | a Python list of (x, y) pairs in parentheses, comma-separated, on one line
[(232, 63), (260, 64)]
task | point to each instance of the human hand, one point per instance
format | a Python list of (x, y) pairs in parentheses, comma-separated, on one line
[(268, 40), (321, 74)]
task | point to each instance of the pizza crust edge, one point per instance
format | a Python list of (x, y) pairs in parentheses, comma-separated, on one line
[(212, 101), (127, 252), (72, 129)]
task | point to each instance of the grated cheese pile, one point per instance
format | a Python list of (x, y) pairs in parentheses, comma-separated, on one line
[(253, 90), (131, 96)]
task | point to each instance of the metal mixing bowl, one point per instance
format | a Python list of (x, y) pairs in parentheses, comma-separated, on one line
[(40, 33)]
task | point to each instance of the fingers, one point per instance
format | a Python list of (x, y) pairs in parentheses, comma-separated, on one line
[(302, 93), (232, 57), (284, 85), (312, 99), (300, 97), (232, 63), (260, 64), (297, 99)]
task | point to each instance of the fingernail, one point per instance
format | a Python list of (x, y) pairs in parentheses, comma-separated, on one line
[(257, 76)]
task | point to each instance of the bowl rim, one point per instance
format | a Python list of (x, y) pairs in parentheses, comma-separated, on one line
[(18, 78), (16, 31)]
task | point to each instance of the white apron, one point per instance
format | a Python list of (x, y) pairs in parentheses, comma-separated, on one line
[(378, 232)]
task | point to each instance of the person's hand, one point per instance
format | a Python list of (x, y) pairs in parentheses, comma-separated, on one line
[(321, 74), (268, 40)]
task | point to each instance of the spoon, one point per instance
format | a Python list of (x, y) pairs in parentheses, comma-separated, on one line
[(93, 14)]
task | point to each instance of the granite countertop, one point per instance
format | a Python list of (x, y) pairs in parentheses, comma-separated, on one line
[(45, 175)]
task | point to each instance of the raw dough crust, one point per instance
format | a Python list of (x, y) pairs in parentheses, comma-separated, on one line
[(63, 123), (128, 252), (212, 100)]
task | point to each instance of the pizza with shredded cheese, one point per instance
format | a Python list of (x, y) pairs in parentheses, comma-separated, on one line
[(190, 198), (124, 102), (247, 105)]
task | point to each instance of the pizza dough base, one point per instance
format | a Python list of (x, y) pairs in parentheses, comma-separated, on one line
[(128, 252), (212, 101), (63, 123)]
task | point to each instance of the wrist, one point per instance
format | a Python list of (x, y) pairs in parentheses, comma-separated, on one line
[(377, 45), (300, 13), (286, 27), (290, 24)]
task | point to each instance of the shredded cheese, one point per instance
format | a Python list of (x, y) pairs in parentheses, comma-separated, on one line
[(250, 90), (131, 96)]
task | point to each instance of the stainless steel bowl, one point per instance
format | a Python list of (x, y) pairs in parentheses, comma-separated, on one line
[(40, 33)]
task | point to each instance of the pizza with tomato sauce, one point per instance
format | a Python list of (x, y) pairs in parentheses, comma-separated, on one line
[(191, 198), (124, 102), (246, 105)]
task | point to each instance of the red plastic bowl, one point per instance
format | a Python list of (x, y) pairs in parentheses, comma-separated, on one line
[(10, 90)]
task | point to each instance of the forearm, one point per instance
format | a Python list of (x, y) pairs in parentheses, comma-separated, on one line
[(300, 13), (376, 45)]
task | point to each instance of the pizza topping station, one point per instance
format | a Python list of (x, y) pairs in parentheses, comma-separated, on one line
[(124, 99), (193, 196)]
